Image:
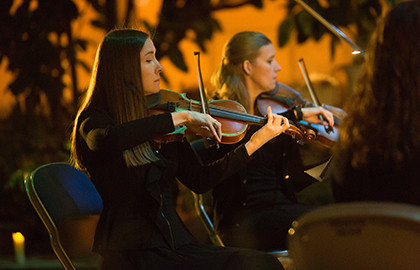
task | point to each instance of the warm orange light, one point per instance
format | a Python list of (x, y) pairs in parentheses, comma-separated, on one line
[(19, 245), (291, 231), (18, 238)]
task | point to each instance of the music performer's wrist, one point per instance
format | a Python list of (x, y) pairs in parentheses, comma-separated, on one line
[(180, 118), (298, 112), (254, 143)]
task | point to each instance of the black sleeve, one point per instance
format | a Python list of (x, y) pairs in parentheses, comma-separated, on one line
[(101, 133), (201, 177), (290, 114)]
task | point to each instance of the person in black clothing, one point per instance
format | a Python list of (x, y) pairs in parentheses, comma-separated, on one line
[(378, 152), (255, 207), (114, 142)]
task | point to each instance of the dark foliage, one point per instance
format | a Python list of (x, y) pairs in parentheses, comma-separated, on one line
[(362, 14)]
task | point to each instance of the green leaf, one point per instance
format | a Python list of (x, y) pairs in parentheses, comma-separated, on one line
[(176, 57), (305, 23), (284, 31)]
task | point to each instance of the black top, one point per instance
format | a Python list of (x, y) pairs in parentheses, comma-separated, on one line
[(139, 202), (272, 177)]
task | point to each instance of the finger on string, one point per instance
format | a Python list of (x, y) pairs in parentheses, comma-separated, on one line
[(324, 123), (278, 119), (286, 121), (328, 116), (269, 114), (219, 129), (331, 120), (328, 121), (214, 132), (217, 126)]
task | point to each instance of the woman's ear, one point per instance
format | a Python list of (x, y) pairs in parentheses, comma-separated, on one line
[(247, 66)]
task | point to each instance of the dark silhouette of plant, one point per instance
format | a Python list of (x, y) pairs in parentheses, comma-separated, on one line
[(361, 14), (176, 18), (37, 43)]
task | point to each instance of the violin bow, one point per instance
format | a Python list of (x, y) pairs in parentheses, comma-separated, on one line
[(331, 27), (203, 97), (315, 99)]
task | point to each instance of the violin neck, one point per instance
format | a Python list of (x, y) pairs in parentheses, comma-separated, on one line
[(237, 116), (214, 110)]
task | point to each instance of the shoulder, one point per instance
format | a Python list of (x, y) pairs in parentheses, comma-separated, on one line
[(92, 111), (95, 117)]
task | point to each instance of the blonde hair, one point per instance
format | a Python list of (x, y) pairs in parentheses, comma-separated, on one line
[(228, 80)]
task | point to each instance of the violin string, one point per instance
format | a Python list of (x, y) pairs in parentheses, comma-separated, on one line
[(219, 111)]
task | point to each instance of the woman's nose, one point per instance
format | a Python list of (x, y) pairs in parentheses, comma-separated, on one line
[(159, 67), (277, 67)]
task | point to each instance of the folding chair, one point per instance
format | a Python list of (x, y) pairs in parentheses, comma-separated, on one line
[(205, 219), (360, 235), (69, 206)]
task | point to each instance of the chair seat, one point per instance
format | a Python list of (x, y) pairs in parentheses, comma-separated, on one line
[(371, 236)]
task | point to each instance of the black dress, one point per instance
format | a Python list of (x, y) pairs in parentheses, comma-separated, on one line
[(254, 208), (139, 227)]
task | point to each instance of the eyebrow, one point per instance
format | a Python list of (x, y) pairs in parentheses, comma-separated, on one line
[(149, 52)]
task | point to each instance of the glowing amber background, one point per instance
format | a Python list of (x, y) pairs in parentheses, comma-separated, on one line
[(317, 55)]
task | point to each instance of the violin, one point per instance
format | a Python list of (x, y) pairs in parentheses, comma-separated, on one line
[(309, 132), (231, 114)]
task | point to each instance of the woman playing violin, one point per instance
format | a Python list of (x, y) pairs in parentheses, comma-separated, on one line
[(113, 141), (254, 208)]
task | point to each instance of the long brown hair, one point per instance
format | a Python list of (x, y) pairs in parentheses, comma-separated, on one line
[(116, 87), (228, 80), (384, 114)]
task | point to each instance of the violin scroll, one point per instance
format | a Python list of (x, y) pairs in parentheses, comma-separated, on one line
[(301, 133)]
